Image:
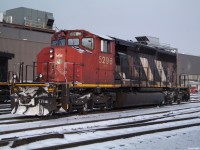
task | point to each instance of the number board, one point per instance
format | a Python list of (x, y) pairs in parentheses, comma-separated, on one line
[(105, 60)]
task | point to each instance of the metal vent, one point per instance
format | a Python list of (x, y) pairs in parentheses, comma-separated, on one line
[(155, 43), (148, 40)]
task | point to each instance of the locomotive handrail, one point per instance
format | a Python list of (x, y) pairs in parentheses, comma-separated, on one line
[(27, 71), (34, 66)]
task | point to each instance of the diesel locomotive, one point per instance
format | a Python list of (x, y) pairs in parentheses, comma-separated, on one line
[(82, 71)]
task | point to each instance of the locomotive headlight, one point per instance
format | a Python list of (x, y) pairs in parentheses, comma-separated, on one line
[(40, 75), (14, 76), (51, 51), (51, 56)]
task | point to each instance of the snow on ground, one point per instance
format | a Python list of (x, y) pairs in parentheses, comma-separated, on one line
[(182, 139), (81, 118), (5, 116), (151, 137), (194, 96), (92, 134), (85, 126)]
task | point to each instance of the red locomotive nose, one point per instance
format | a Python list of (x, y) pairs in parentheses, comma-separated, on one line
[(51, 64), (60, 64)]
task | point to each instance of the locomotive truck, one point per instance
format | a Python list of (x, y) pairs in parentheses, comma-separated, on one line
[(82, 71)]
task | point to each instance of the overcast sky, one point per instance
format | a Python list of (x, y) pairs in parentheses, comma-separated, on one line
[(175, 22)]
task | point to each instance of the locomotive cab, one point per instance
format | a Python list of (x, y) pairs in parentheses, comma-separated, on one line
[(72, 56)]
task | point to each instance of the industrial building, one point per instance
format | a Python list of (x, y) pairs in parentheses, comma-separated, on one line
[(188, 65), (23, 33), (4, 57)]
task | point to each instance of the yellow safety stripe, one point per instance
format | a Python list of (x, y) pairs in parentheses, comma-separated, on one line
[(50, 89), (29, 84), (117, 86), (96, 85), (4, 83)]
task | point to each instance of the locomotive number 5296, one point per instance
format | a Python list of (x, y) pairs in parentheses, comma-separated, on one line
[(105, 60)]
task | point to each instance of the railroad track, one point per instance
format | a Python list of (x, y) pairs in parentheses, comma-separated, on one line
[(123, 124), (121, 135), (19, 121), (5, 108)]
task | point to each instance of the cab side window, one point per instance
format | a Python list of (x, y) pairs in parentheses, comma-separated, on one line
[(105, 46), (88, 43)]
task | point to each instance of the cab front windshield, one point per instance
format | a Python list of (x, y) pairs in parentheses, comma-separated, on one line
[(88, 42), (61, 42)]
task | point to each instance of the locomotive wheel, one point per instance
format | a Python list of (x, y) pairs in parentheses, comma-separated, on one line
[(70, 108), (80, 110), (171, 101), (90, 105), (109, 104), (83, 110), (103, 108), (178, 101), (162, 103)]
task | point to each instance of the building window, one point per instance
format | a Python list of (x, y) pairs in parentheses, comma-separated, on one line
[(88, 43), (105, 46)]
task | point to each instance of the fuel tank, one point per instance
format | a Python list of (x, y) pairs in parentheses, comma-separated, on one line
[(127, 99)]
